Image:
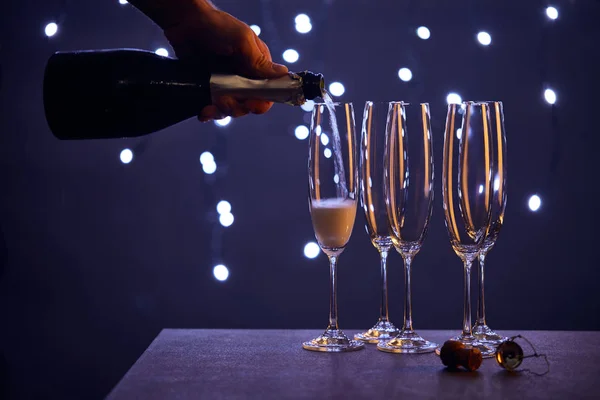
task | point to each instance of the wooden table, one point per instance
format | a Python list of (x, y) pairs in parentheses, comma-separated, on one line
[(271, 364)]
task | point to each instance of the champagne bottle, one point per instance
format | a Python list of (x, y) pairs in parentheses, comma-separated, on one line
[(116, 93)]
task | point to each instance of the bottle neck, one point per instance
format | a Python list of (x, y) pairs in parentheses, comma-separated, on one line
[(287, 89)]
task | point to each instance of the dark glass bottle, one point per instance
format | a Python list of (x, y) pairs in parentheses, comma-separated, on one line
[(120, 93)]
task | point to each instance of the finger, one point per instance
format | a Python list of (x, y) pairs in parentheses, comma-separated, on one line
[(208, 113), (255, 64), (229, 106), (258, 106), (263, 48)]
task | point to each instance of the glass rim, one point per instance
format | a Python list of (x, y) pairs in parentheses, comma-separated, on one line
[(478, 102), (404, 103), (335, 103)]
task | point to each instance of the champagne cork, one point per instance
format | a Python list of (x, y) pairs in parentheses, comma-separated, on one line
[(454, 354)]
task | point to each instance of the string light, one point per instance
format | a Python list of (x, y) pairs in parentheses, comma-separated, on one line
[(291, 56), (550, 96), (223, 207), (221, 272), (206, 157), (126, 156), (308, 105), (404, 74), (303, 24), (226, 219), (336, 89), (311, 250), (552, 12), (301, 132), (453, 98), (161, 51), (534, 203), (423, 32), (223, 122), (209, 168), (256, 29), (484, 38), (51, 29)]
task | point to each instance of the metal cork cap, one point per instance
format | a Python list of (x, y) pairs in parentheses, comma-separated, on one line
[(312, 84)]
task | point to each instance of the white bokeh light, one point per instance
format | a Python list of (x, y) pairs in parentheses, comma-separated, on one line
[(223, 207), (209, 167), (303, 24), (302, 19), (423, 32), (550, 96), (301, 132), (221, 272), (223, 121), (484, 38), (405, 74), (226, 219), (552, 12), (304, 28), (453, 98), (308, 105), (327, 153), (126, 156), (162, 52), (206, 157), (51, 29), (336, 89), (311, 250), (256, 29), (122, 1), (291, 56), (324, 139), (534, 203)]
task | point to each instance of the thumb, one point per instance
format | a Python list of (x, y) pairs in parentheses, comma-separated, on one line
[(265, 68), (256, 64)]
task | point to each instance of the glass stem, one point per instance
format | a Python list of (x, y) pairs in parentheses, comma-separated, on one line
[(383, 311), (333, 322), (407, 327), (481, 301), (467, 331)]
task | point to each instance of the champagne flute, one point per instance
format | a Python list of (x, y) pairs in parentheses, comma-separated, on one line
[(408, 186), (333, 182), (481, 331), (467, 193), (372, 196)]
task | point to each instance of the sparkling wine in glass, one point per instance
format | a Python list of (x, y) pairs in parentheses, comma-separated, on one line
[(481, 330), (408, 188), (467, 193), (333, 183), (372, 196)]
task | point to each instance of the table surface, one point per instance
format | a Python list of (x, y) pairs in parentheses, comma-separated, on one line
[(215, 364)]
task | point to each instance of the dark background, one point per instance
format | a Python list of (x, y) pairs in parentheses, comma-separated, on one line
[(96, 256)]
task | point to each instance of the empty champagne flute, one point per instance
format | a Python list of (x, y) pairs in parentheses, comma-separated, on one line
[(372, 197), (408, 186), (481, 331), (333, 182), (467, 193)]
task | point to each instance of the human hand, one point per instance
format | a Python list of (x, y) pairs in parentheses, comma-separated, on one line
[(227, 45)]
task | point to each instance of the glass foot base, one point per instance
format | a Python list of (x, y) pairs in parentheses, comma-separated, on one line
[(485, 335), (407, 342), (383, 330), (333, 341), (470, 342)]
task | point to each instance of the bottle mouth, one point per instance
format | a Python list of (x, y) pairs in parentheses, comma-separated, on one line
[(313, 84)]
